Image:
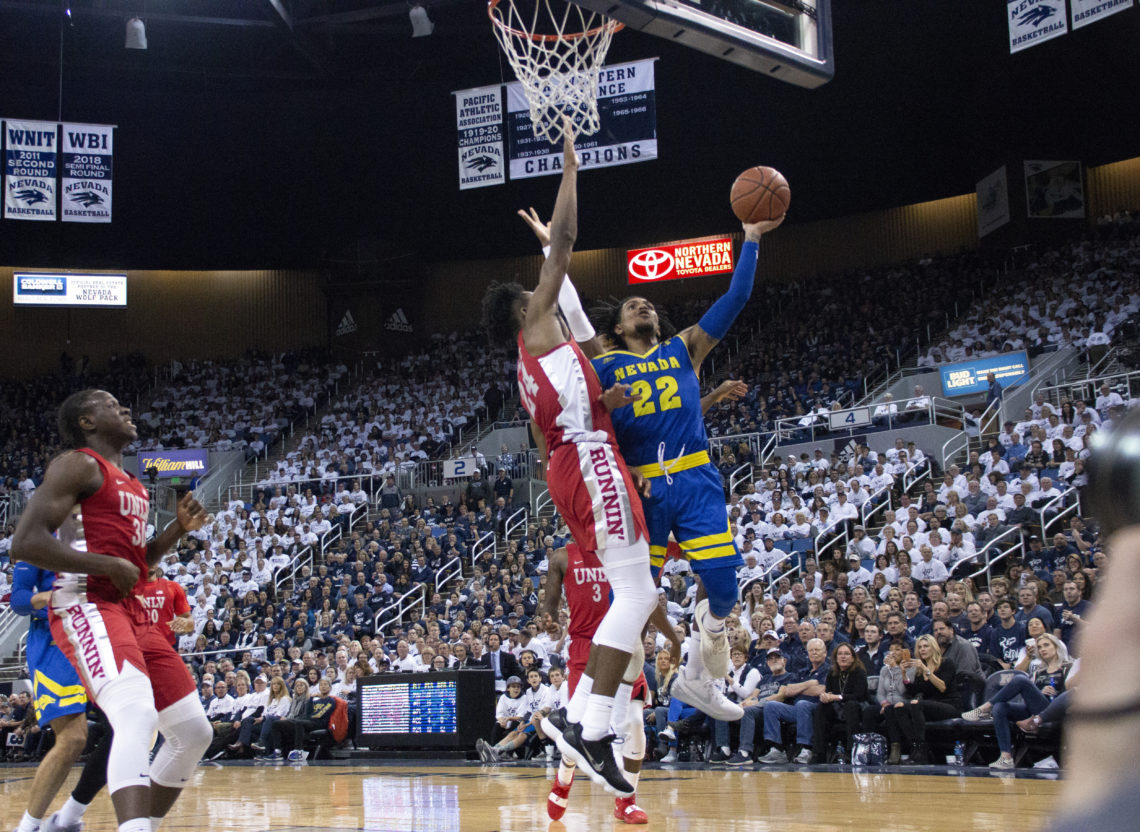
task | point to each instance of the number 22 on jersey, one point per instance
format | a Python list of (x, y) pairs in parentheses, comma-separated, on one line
[(667, 398)]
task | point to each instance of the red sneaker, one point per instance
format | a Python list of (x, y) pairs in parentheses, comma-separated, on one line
[(558, 798), (627, 810)]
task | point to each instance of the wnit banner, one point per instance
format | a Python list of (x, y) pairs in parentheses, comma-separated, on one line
[(30, 156), (627, 110), (87, 168)]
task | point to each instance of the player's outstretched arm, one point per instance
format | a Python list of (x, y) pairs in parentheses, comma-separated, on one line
[(68, 479), (540, 330), (713, 326), (731, 389)]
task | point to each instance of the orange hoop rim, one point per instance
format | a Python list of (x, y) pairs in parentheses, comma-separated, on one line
[(610, 23)]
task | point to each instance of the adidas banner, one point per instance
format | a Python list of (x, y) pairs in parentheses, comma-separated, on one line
[(86, 186), (1035, 21), (30, 157), (627, 110), (398, 322), (479, 119), (1090, 11), (347, 324)]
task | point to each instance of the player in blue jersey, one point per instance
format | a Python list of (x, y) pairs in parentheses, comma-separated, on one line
[(663, 438), (61, 702)]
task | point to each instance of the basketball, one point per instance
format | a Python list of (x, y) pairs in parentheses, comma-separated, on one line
[(759, 194)]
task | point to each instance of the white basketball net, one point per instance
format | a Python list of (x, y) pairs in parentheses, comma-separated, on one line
[(556, 49)]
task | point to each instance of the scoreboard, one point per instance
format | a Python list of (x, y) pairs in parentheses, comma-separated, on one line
[(448, 709)]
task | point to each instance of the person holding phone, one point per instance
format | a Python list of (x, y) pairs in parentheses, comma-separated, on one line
[(931, 694)]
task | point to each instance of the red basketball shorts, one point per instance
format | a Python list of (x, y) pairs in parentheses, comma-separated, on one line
[(593, 491)]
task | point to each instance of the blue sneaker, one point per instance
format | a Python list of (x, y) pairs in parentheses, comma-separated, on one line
[(297, 756)]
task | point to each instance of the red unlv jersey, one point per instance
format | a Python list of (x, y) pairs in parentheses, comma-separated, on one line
[(114, 523), (561, 392), (163, 600), (587, 592)]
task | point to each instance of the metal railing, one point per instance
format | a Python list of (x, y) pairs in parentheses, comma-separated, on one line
[(742, 474), (915, 475), (1086, 388), (929, 410), (769, 449), (870, 508), (1059, 509), (993, 546), (956, 445), (329, 538), (287, 574), (515, 521), (13, 627), (756, 442), (485, 543), (542, 501), (833, 536), (448, 572), (1103, 363), (394, 613)]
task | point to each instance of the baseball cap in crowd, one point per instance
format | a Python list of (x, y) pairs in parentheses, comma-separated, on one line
[(854, 556), (860, 529), (774, 651), (513, 680), (514, 631), (770, 634), (660, 590), (829, 587), (262, 678)]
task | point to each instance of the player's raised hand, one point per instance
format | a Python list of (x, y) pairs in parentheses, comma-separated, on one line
[(541, 229), (191, 515), (732, 389), (618, 396), (569, 155), (754, 230)]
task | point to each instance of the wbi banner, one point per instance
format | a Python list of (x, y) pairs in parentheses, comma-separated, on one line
[(87, 169), (30, 169), (673, 261)]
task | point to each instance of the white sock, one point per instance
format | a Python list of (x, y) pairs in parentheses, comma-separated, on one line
[(155, 823), (29, 824), (136, 825), (71, 812), (621, 708), (725, 750), (566, 773), (576, 707), (596, 720), (713, 624), (631, 777), (694, 667)]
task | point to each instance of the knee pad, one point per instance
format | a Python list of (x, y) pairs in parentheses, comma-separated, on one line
[(635, 733), (634, 596), (128, 702), (187, 734), (721, 588), (636, 663)]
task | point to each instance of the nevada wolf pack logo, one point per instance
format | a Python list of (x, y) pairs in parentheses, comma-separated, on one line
[(31, 196), (87, 198), (1037, 15), (481, 163)]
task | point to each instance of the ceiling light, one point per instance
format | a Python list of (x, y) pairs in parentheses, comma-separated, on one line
[(421, 23), (136, 34)]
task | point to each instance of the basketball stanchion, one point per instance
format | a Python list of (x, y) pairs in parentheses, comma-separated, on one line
[(555, 49)]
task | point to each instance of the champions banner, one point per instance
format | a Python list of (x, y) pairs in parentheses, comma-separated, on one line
[(1035, 21), (627, 110), (673, 261), (1090, 11), (87, 151), (30, 157), (479, 119)]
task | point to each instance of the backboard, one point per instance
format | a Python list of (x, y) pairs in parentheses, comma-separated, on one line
[(789, 40)]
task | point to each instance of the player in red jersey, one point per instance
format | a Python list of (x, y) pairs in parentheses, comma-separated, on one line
[(579, 574), (588, 480), (97, 619), (166, 606)]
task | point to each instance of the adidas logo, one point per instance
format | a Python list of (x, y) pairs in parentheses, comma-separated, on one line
[(398, 322), (347, 324)]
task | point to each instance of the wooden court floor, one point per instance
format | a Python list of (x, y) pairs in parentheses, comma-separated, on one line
[(468, 798)]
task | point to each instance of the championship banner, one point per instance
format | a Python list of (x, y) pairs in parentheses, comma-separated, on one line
[(1090, 11), (87, 168), (674, 261), (479, 119), (967, 377), (1054, 190), (30, 152), (173, 463), (1035, 21), (627, 111), (993, 202)]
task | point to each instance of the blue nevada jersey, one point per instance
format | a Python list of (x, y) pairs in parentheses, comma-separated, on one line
[(670, 408)]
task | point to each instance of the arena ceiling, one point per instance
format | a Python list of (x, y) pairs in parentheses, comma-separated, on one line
[(259, 133)]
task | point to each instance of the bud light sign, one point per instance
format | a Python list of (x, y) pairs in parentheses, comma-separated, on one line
[(673, 261)]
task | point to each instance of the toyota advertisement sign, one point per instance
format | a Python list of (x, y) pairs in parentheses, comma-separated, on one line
[(673, 261)]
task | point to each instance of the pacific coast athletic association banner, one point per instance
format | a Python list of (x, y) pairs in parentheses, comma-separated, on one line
[(37, 152), (627, 110)]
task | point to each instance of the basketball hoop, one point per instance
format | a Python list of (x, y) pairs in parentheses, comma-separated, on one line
[(557, 66)]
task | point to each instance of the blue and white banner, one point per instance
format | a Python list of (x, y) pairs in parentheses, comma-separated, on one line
[(479, 119), (68, 289), (1035, 21), (87, 169), (627, 110), (993, 202), (1090, 11), (30, 156), (966, 377)]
